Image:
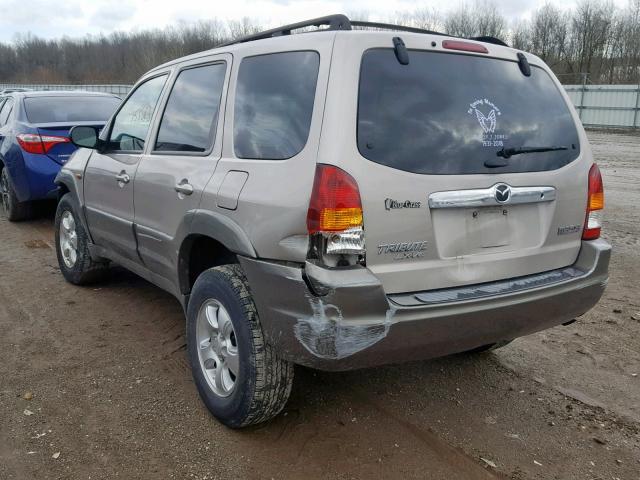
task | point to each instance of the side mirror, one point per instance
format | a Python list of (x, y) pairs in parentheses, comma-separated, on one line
[(86, 137)]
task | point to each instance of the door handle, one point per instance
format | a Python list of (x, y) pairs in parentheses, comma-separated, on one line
[(184, 187), (123, 177)]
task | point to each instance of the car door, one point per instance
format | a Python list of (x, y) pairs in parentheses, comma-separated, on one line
[(110, 171), (185, 151)]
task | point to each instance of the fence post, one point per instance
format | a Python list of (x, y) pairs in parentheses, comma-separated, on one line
[(584, 87), (635, 112)]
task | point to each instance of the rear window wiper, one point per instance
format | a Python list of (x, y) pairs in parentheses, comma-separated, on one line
[(507, 153)]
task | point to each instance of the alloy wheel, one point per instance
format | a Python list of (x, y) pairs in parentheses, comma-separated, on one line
[(217, 347), (68, 239), (4, 192)]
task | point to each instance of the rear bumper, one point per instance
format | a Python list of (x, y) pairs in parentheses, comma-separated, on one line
[(32, 175), (41, 172), (354, 324)]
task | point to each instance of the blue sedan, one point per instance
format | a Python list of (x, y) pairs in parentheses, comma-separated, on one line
[(34, 142)]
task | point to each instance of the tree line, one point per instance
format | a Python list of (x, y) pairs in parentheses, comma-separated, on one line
[(594, 37)]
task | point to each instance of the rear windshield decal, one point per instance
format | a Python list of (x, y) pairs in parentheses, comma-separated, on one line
[(487, 114)]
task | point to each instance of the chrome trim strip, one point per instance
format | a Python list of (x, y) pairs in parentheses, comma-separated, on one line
[(486, 197)]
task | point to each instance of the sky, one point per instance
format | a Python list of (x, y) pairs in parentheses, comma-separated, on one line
[(77, 18)]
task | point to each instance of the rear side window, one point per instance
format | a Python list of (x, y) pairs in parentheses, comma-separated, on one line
[(449, 113), (131, 124), (274, 104), (70, 109), (191, 115), (6, 111)]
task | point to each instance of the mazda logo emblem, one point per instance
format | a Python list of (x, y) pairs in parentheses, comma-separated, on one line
[(503, 193)]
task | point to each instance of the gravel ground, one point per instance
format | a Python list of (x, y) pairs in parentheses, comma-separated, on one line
[(113, 397)]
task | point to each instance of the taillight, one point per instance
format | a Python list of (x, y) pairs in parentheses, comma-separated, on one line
[(595, 205), (464, 46), (335, 213), (34, 143)]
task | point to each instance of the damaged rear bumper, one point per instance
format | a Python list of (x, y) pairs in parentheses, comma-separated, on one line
[(342, 319)]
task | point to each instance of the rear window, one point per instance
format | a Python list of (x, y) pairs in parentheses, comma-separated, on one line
[(69, 109), (449, 113), (274, 104)]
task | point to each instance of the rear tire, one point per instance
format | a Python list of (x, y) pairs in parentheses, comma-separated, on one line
[(240, 378), (13, 209), (72, 246)]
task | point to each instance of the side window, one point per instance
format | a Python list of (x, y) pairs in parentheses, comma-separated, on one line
[(191, 115), (6, 111), (274, 102), (131, 125)]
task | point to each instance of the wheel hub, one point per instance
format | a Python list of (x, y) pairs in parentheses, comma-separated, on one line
[(68, 239), (4, 192), (217, 347)]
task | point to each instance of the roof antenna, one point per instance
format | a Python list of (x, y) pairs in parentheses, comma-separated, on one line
[(401, 51)]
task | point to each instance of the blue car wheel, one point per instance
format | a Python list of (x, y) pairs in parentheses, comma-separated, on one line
[(12, 209)]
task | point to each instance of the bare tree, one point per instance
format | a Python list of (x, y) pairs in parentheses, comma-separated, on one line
[(460, 22), (594, 38)]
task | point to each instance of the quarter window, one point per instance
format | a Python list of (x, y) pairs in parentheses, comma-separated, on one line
[(131, 125), (274, 102), (190, 118)]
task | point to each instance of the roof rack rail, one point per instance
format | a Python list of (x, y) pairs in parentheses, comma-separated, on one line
[(342, 22), (390, 26), (334, 22), (487, 39)]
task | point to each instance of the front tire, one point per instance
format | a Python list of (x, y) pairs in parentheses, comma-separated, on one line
[(72, 246), (240, 378), (13, 209)]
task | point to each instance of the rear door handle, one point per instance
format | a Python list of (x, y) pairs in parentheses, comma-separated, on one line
[(184, 187), (123, 177)]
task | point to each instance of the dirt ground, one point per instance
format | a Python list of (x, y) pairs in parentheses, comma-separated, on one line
[(113, 396)]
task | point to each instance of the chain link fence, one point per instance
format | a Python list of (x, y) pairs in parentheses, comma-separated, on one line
[(614, 106)]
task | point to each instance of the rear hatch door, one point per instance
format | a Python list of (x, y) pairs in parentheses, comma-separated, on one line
[(438, 213)]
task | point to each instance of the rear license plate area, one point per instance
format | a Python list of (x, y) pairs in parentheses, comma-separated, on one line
[(489, 227)]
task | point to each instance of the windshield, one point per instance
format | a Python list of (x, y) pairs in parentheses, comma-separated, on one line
[(450, 113), (70, 109)]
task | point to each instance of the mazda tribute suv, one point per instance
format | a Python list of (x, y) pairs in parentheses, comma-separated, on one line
[(339, 199)]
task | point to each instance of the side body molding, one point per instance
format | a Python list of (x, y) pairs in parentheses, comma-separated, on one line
[(224, 230)]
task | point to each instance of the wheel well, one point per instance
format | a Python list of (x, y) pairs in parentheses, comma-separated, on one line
[(62, 190), (197, 254)]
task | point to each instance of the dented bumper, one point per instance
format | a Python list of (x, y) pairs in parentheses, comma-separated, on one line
[(342, 319)]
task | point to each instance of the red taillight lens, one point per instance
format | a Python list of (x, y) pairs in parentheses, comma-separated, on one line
[(335, 204), (34, 143), (464, 46), (595, 205)]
